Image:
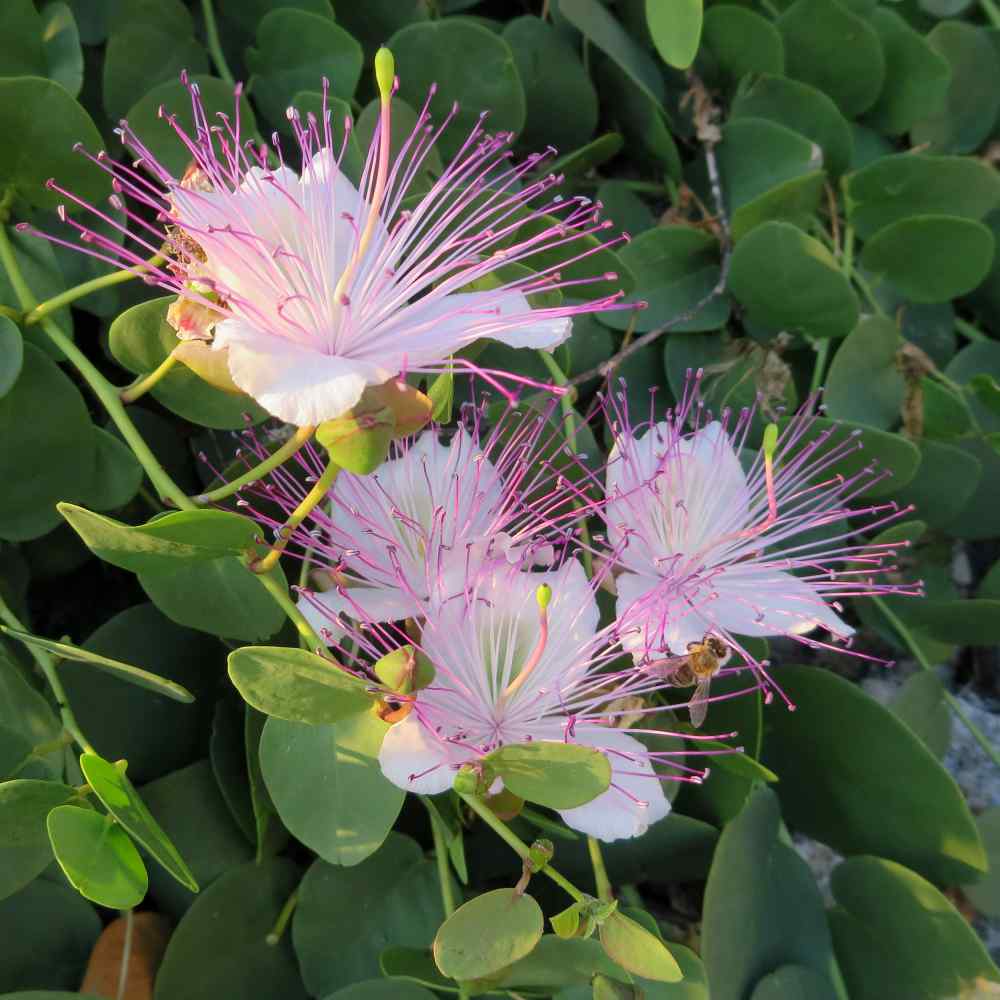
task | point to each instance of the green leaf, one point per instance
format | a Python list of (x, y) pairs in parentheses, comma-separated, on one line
[(676, 30), (801, 108), (602, 30), (792, 982), (154, 734), (896, 935), (242, 966), (61, 46), (11, 354), (488, 933), (117, 475), (140, 339), (555, 962), (553, 774), (134, 675), (296, 685), (920, 704), (120, 798), (834, 50), (60, 430), (589, 157), (189, 807), (327, 785), (163, 543), (985, 894), (864, 383), (638, 950), (890, 451), (154, 44), (945, 482), (973, 97), (358, 444), (468, 62), (49, 932), (295, 51), (762, 906), (916, 77), (789, 281), (828, 783), (24, 843), (392, 896), (560, 101), (972, 621), (381, 989), (768, 172), (897, 187), (674, 268), (931, 258), (218, 596), (227, 753), (26, 713), (48, 123), (160, 136), (414, 965), (737, 42), (97, 857), (21, 51)]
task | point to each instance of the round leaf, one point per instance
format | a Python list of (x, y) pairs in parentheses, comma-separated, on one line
[(920, 704), (61, 45), (864, 383), (985, 894), (740, 42), (140, 339), (241, 966), (792, 982), (468, 63), (382, 989), (553, 774), (48, 123), (931, 258), (973, 98), (828, 783), (487, 934), (945, 482), (393, 897), (835, 50), (789, 281), (97, 856), (296, 685), (675, 29), (896, 935), (762, 906), (295, 50), (122, 800), (11, 354), (327, 785)]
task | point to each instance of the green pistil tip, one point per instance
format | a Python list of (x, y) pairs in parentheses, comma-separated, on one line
[(385, 72), (770, 440), (543, 595)]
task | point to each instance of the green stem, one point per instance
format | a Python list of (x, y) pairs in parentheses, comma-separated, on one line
[(570, 425), (280, 595), (991, 11), (970, 331), (519, 847), (214, 45), (819, 365), (48, 667), (102, 388), (142, 385), (604, 890), (441, 857), (78, 291), (914, 647), (314, 497), (289, 448), (276, 933)]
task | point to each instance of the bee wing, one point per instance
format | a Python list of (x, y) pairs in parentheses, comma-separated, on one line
[(698, 708)]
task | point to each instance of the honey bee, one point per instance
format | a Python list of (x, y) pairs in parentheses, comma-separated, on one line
[(695, 669)]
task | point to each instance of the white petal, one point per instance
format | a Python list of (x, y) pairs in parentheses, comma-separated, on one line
[(414, 759), (635, 799), (369, 604), (754, 601), (294, 382)]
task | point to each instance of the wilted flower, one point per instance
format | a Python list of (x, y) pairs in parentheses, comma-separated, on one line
[(519, 657), (411, 532), (708, 549), (320, 289)]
